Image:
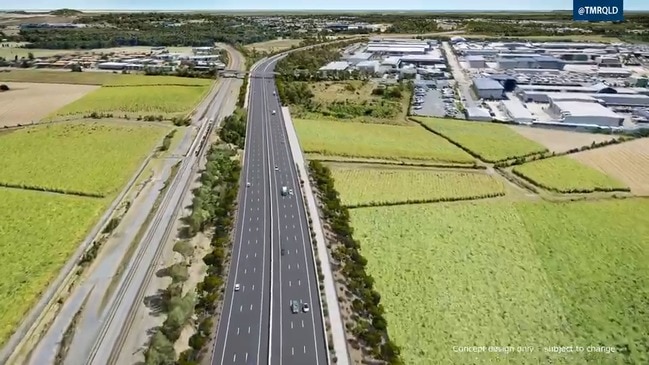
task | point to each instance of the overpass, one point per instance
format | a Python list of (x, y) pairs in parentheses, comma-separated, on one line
[(241, 74)]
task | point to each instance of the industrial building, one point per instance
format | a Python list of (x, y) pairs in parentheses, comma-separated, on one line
[(578, 112), (532, 61), (517, 111), (358, 57), (478, 114), (476, 61), (368, 66), (487, 88), (335, 66)]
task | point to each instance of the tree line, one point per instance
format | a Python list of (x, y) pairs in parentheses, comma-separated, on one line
[(212, 210), (369, 326)]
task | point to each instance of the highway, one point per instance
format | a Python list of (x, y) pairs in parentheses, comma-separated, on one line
[(272, 261)]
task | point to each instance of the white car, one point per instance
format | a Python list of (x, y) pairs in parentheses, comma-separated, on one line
[(237, 287), (274, 112), (290, 191), (305, 307), (273, 93), (276, 168), (247, 184)]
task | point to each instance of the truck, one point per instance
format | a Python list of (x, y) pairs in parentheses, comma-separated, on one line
[(284, 190)]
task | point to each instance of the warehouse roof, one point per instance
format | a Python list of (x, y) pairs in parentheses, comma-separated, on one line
[(517, 109), (582, 109), (475, 58), (361, 56), (485, 83), (478, 112), (396, 49), (335, 66)]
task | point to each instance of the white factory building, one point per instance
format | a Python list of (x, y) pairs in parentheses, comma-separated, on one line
[(517, 111), (335, 66), (597, 93), (580, 112), (476, 61), (488, 88), (398, 47)]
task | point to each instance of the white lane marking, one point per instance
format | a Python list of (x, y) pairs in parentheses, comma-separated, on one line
[(289, 266), (246, 360), (298, 266), (292, 351), (294, 226), (245, 271), (289, 283), (291, 324), (241, 308), (256, 241), (255, 254), (246, 255), (296, 250), (305, 349), (292, 216), (302, 323), (257, 229), (284, 215), (257, 218), (295, 238), (234, 358), (251, 307), (237, 331), (253, 287), (299, 282), (286, 227), (248, 329), (254, 269)]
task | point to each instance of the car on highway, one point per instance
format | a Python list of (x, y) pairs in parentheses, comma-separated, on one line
[(290, 191), (305, 307), (237, 287), (276, 168), (274, 112), (248, 184), (295, 306), (273, 93)]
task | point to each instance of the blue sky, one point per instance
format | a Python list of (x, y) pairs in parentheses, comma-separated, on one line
[(313, 4)]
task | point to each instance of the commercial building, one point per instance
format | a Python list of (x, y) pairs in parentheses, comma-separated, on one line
[(517, 111), (476, 61), (487, 88), (532, 61), (577, 112), (356, 58), (368, 66), (433, 58)]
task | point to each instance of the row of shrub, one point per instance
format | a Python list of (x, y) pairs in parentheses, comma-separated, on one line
[(569, 191), (241, 100), (233, 128), (212, 209), (166, 142), (541, 156), (425, 201), (51, 190), (370, 326), (386, 158)]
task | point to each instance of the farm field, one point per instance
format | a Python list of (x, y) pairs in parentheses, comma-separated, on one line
[(139, 100), (356, 101), (627, 162), (39, 233), (560, 140), (491, 141), (374, 161), (358, 186), (94, 158), (25, 103), (96, 78), (376, 141), (275, 45), (497, 273), (564, 174)]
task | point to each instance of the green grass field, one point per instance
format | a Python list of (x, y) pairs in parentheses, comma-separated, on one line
[(511, 274), (141, 100), (97, 78), (563, 174), (39, 232), (359, 187), (376, 141), (90, 157), (491, 141)]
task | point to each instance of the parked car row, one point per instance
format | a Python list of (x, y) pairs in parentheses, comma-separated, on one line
[(448, 96), (418, 100)]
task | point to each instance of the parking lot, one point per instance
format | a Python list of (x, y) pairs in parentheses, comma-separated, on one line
[(433, 102)]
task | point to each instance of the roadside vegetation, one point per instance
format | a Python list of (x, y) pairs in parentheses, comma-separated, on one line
[(98, 78), (367, 323), (376, 141), (358, 186), (212, 213), (531, 268)]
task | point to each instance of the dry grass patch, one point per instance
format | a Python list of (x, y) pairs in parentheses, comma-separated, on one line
[(627, 162), (26, 103), (275, 45), (559, 140), (97, 78)]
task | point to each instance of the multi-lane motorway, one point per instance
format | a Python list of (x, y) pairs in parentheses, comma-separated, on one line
[(272, 262)]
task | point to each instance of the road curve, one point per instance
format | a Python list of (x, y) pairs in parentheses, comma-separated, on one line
[(272, 262)]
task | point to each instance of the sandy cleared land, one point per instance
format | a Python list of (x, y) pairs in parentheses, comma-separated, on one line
[(274, 45), (559, 140), (627, 162), (27, 102)]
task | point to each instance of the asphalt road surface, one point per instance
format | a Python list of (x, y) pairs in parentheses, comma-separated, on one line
[(272, 259)]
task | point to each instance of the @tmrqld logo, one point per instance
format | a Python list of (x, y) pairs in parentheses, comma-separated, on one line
[(598, 10)]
